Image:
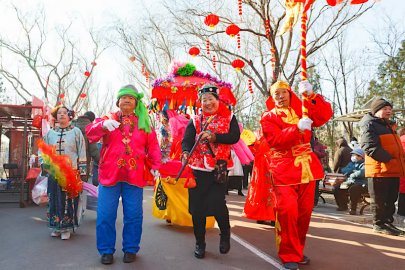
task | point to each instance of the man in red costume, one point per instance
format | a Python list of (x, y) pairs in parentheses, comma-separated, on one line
[(293, 164)]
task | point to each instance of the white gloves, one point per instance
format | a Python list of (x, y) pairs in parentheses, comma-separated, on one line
[(155, 173), (305, 87), (110, 124), (305, 124)]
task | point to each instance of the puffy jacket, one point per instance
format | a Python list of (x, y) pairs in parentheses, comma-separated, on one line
[(342, 155), (384, 154)]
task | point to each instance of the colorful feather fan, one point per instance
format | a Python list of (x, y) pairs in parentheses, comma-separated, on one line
[(61, 169)]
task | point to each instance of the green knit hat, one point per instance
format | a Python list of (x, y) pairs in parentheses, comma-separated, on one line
[(140, 110)]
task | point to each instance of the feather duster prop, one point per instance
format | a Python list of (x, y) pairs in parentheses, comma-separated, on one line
[(60, 167)]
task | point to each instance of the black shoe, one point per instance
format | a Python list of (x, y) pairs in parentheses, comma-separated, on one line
[(107, 259), (352, 212), (225, 243), (305, 260), (401, 232), (129, 257), (199, 251), (240, 193), (384, 229), (290, 266)]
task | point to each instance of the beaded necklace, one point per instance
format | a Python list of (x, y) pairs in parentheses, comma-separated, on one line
[(125, 121)]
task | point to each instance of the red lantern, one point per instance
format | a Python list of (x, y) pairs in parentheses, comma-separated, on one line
[(267, 26), (143, 69), (132, 58), (83, 95), (214, 62), (211, 20), (357, 2), (87, 74), (240, 7), (232, 30), (250, 86), (194, 51), (208, 46), (238, 64), (62, 96), (238, 40)]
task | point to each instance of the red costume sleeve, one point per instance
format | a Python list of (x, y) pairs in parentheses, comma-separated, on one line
[(320, 111)]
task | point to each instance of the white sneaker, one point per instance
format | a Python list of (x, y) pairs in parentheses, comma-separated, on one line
[(55, 233), (65, 236)]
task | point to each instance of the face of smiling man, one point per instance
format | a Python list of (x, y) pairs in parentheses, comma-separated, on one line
[(127, 104)]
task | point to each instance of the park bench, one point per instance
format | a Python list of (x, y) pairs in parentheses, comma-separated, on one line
[(332, 179)]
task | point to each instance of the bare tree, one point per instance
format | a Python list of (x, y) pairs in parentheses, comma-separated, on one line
[(325, 23), (56, 65)]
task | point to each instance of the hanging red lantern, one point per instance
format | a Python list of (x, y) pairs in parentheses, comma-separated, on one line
[(207, 42), (238, 40), (93, 63), (240, 7), (132, 58), (214, 62), (147, 77), (238, 64), (250, 87), (83, 95), (194, 51), (232, 30), (62, 96), (87, 74), (211, 20), (267, 26), (357, 2), (143, 68)]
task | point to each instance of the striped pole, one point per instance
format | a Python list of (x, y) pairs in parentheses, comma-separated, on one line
[(304, 20)]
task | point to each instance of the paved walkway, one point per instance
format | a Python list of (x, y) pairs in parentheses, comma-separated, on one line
[(335, 241)]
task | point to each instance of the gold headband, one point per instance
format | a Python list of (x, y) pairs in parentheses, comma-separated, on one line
[(277, 85)]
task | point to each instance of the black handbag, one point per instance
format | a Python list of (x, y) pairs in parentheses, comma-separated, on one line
[(220, 171)]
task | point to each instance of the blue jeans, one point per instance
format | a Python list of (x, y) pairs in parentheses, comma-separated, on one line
[(108, 200)]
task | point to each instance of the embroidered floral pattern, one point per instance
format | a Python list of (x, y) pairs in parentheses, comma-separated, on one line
[(121, 163), (132, 163)]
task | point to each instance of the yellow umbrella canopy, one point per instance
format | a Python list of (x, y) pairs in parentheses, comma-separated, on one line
[(248, 137)]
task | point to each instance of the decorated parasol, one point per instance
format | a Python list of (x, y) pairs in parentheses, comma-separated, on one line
[(179, 89)]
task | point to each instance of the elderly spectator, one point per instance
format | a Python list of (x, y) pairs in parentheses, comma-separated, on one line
[(342, 155)]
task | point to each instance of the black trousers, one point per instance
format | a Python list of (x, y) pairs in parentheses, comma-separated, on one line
[(383, 195), (208, 199), (247, 170), (353, 192)]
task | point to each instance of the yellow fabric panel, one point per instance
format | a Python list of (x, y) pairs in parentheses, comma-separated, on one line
[(177, 205)]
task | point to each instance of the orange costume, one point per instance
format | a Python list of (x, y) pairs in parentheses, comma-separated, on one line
[(294, 168)]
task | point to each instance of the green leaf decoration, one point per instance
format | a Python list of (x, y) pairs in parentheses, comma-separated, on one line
[(187, 70)]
